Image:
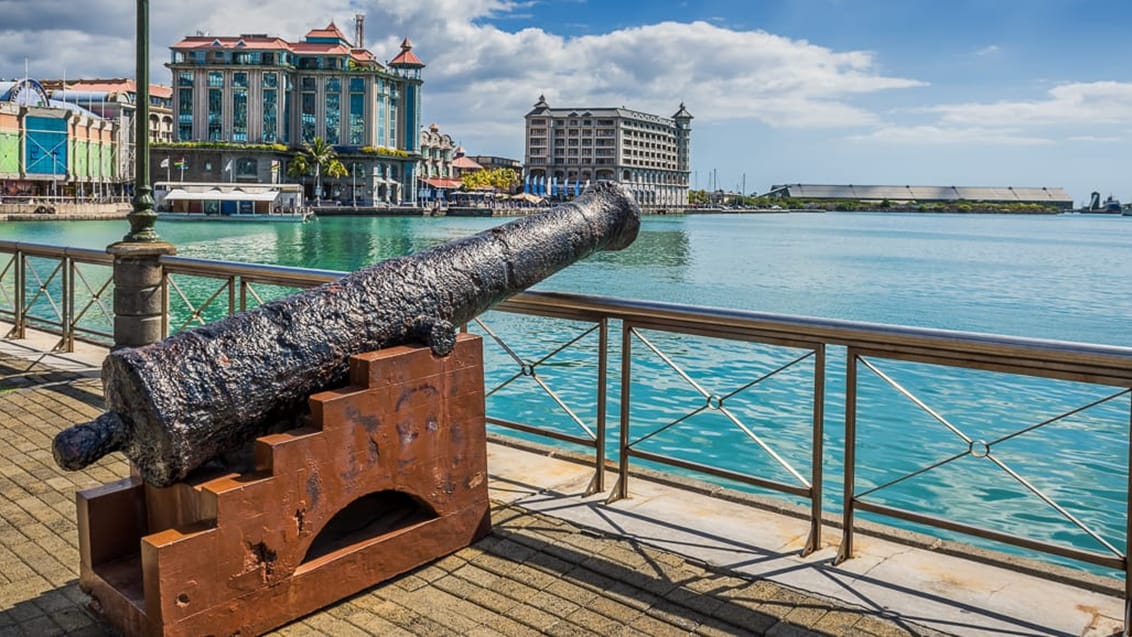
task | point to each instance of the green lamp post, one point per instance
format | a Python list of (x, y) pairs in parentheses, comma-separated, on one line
[(142, 217), (139, 293)]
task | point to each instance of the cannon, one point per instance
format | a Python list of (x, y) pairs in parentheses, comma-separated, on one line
[(176, 404)]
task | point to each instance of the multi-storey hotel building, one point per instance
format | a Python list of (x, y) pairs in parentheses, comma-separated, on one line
[(647, 153), (235, 92)]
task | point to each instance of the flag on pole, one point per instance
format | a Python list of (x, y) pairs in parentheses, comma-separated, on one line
[(165, 163), (228, 166), (180, 163)]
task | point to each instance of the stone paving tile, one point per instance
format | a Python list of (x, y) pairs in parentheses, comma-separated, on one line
[(534, 575)]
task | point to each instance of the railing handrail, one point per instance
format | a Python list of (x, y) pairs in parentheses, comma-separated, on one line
[(86, 255), (1112, 361), (1109, 361), (280, 273)]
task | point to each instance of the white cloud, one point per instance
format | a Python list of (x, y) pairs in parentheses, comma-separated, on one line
[(1095, 139), (943, 135), (1087, 103), (480, 77), (990, 49)]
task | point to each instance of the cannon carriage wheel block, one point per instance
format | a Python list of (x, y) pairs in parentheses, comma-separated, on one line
[(391, 475)]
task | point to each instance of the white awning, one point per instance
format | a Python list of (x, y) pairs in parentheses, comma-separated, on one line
[(220, 195)]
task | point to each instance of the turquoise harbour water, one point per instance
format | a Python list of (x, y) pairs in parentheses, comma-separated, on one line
[(1055, 277)]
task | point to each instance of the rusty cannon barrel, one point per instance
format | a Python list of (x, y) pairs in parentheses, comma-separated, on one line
[(176, 404)]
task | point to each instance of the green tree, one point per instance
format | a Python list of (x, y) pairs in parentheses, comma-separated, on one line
[(501, 179), (298, 167)]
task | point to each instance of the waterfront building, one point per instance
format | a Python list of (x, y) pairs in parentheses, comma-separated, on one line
[(649, 154), (52, 148), (437, 151), (115, 100), (464, 165), (491, 162), (437, 178), (1056, 197), (253, 100)]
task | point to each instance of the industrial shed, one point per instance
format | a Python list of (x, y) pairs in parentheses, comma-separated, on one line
[(1057, 197)]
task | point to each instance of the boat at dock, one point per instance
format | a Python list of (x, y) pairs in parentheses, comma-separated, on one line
[(1110, 206), (189, 201)]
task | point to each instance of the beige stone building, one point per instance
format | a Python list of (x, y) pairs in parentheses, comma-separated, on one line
[(647, 153)]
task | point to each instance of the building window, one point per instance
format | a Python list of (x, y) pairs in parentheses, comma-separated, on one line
[(240, 114), (215, 112), (271, 80), (185, 114), (216, 79), (357, 85), (247, 168), (357, 117), (333, 109), (185, 78), (270, 116), (393, 124), (381, 121), (240, 79), (307, 114)]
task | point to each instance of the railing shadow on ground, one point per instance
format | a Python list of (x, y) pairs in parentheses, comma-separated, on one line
[(848, 581)]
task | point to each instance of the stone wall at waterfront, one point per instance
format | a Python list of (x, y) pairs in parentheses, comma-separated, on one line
[(49, 211)]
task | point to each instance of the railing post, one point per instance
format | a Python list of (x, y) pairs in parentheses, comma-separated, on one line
[(68, 322), (20, 317), (621, 490), (818, 453), (598, 484), (232, 295), (1128, 537), (846, 550), (139, 304)]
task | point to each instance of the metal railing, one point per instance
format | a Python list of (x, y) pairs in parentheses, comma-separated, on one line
[(61, 291), (202, 290), (225, 287)]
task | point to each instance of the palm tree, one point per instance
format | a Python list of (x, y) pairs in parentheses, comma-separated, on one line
[(323, 157), (298, 167)]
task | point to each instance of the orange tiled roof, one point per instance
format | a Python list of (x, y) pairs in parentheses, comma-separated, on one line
[(464, 163), (319, 47), (229, 42), (406, 57), (440, 182), (121, 85), (331, 31), (363, 54), (260, 42)]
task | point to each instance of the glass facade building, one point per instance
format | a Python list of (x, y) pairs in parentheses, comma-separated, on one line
[(255, 89)]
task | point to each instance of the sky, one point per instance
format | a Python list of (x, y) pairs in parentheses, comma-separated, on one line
[(917, 92)]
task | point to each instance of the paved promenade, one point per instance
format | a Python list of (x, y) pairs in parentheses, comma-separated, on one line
[(555, 563)]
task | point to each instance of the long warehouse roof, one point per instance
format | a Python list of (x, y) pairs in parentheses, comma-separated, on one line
[(923, 193)]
